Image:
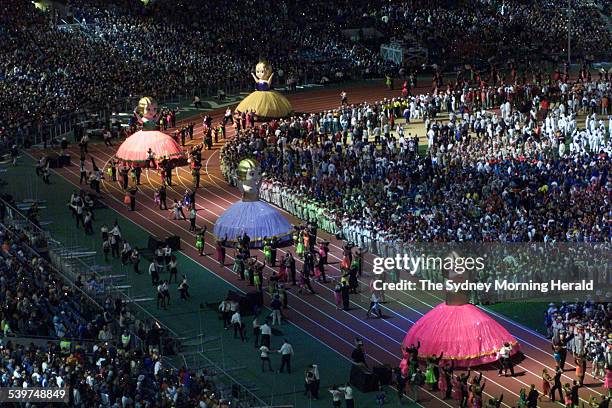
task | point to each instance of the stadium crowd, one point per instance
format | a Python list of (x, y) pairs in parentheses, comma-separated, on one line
[(514, 30), (526, 172), (512, 176), (53, 335), (122, 48)]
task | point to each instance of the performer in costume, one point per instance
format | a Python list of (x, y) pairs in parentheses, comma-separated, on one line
[(299, 248), (150, 148), (430, 376), (282, 271), (267, 249), (546, 380), (445, 380), (263, 76), (147, 113), (306, 238), (199, 243), (238, 267), (264, 102), (251, 217), (220, 249), (467, 335), (456, 388)]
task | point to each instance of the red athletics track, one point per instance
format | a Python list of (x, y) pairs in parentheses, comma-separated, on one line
[(317, 313)]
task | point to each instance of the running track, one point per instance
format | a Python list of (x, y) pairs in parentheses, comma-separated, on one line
[(317, 314)]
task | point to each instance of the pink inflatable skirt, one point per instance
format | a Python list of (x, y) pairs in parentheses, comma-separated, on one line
[(466, 334)]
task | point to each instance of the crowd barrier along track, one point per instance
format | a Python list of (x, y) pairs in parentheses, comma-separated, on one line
[(68, 275), (316, 314)]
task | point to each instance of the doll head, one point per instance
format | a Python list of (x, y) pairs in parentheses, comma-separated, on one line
[(147, 108), (249, 178), (263, 70)]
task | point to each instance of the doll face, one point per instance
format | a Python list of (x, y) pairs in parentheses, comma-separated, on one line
[(262, 71), (150, 111), (252, 180)]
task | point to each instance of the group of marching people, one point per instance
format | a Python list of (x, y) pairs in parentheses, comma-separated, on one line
[(582, 329), (466, 389)]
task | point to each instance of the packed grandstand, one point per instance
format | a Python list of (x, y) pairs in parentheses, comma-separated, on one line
[(119, 48)]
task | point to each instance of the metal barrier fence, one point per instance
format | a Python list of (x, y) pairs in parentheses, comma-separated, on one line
[(192, 350), (43, 244)]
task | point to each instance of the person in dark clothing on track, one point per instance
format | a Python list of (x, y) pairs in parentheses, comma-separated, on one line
[(345, 296), (557, 385), (124, 177), (532, 397), (559, 346), (400, 382), (163, 195), (132, 192)]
